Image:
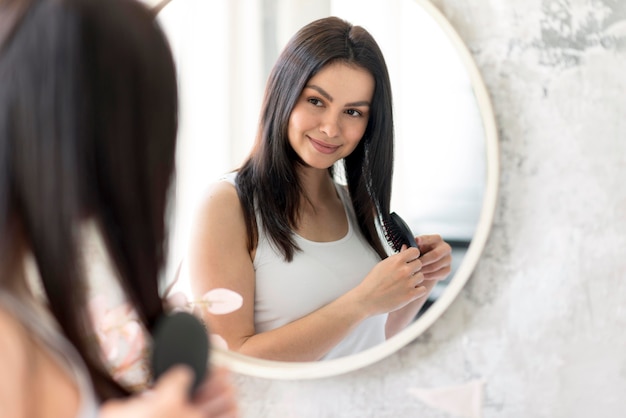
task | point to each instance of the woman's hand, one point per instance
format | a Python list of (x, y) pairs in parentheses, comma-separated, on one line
[(392, 283), (170, 398), (436, 257), (217, 396)]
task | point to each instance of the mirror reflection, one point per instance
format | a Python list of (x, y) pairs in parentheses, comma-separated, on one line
[(438, 182)]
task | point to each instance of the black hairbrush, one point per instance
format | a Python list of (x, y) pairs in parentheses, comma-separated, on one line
[(397, 232), (180, 338)]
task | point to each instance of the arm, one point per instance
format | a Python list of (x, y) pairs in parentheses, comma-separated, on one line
[(219, 258), (436, 261)]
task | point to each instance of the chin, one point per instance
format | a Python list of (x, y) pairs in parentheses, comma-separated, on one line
[(316, 165)]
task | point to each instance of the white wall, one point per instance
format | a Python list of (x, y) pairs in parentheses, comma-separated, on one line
[(543, 318)]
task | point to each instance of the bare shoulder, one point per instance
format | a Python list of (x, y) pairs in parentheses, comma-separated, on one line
[(30, 372), (220, 208), (220, 215), (14, 349), (220, 198), (218, 254), (13, 337)]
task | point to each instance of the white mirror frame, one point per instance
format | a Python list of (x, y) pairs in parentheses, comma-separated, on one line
[(311, 370)]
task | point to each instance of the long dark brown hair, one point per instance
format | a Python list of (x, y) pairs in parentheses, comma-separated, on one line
[(267, 181), (88, 120)]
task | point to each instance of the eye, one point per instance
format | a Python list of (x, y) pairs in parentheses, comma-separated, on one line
[(315, 101), (354, 112)]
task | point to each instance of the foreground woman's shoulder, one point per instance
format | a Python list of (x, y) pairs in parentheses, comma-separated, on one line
[(15, 347), (11, 330)]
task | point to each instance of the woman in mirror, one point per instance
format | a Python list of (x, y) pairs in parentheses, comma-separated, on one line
[(303, 250), (88, 121)]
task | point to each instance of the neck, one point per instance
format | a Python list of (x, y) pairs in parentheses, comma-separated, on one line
[(317, 185)]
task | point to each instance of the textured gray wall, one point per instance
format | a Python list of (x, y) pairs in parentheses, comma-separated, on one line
[(543, 318)]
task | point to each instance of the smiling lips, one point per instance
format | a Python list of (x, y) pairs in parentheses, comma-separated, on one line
[(323, 147)]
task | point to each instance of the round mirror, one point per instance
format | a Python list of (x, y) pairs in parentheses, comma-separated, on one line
[(446, 168)]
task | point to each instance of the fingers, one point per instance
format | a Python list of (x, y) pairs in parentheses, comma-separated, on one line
[(413, 265), (420, 291), (174, 384), (436, 257), (217, 396), (436, 265), (438, 270), (433, 249), (217, 382), (417, 279), (170, 398), (222, 406), (428, 242), (409, 254)]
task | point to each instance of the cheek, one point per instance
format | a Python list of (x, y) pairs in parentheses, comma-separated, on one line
[(298, 121), (355, 132), (292, 129), (353, 141)]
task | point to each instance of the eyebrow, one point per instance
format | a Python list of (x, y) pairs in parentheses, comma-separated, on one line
[(330, 98)]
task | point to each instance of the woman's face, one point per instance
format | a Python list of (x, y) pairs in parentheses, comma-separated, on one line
[(331, 114)]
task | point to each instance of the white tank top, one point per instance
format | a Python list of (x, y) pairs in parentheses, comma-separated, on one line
[(317, 275)]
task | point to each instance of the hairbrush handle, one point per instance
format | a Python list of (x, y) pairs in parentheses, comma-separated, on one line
[(180, 338)]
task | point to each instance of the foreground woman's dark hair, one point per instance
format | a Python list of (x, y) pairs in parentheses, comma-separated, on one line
[(88, 115)]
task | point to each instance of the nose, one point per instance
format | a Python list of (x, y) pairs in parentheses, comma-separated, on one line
[(329, 125)]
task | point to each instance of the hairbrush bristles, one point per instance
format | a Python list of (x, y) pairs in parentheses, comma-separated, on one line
[(397, 232)]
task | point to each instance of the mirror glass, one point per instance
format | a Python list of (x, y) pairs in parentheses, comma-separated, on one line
[(446, 143)]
